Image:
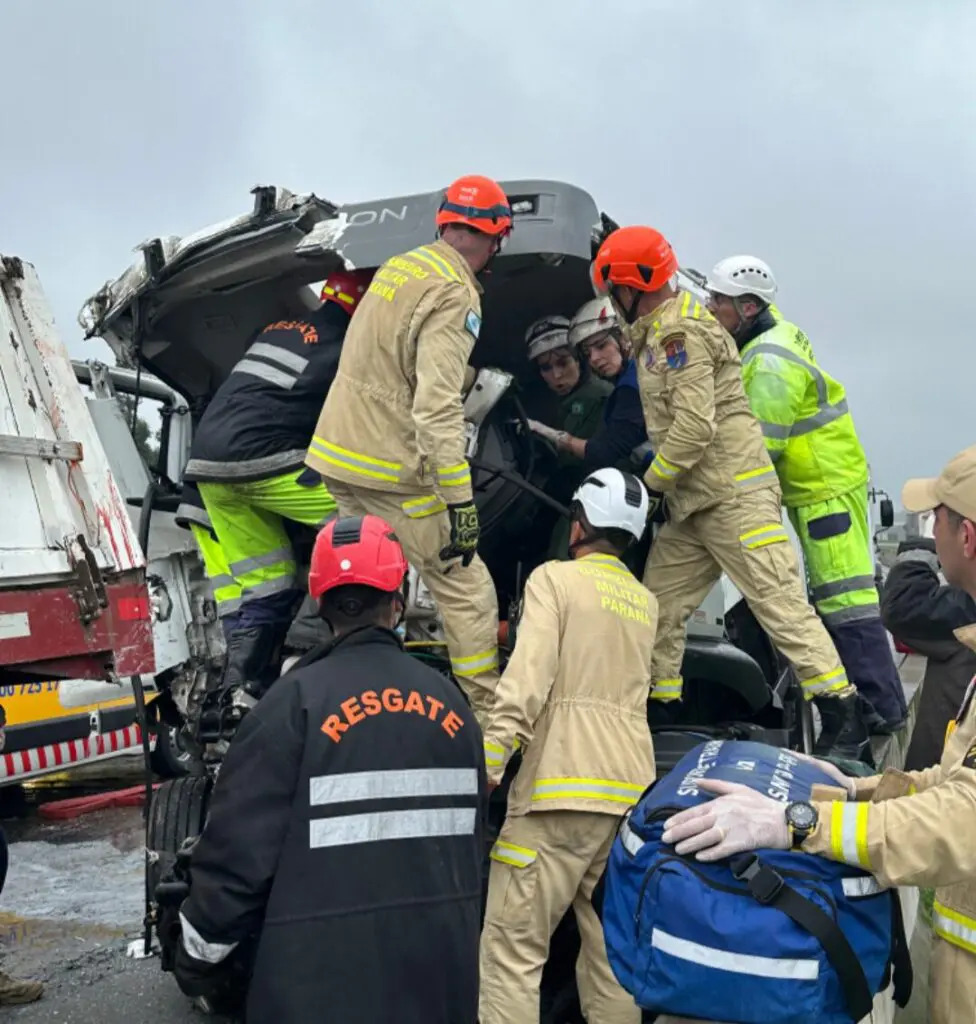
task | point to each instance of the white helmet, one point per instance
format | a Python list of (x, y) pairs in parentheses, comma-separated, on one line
[(743, 275), (612, 499), (594, 317), (547, 333)]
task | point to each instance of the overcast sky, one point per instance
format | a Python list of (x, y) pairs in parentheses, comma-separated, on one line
[(835, 139)]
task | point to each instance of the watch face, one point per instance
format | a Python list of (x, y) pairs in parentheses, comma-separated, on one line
[(801, 815)]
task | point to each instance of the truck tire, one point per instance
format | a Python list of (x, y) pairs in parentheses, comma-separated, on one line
[(170, 759), (177, 812)]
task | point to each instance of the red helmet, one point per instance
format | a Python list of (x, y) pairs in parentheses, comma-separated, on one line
[(356, 549), (346, 287), (478, 202), (636, 256)]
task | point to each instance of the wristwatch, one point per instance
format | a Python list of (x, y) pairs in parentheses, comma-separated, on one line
[(801, 820)]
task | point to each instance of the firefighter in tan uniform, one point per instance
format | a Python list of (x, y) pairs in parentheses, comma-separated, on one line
[(390, 440), (908, 828), (722, 492), (574, 694)]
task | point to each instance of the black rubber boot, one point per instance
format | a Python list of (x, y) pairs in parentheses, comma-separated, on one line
[(251, 655), (843, 732)]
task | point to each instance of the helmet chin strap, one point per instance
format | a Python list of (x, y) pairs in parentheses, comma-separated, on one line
[(630, 315)]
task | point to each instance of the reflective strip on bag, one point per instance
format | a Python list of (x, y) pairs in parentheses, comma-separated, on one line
[(509, 853), (955, 928), (849, 833), (420, 508), (392, 785), (631, 841), (454, 476), (772, 534), (423, 823), (355, 462), (750, 476), (475, 664), (827, 682), (784, 968), (494, 755), (863, 885), (198, 947), (587, 789)]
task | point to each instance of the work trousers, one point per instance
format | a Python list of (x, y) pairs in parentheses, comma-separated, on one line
[(249, 521), (226, 590), (836, 540), (744, 537), (544, 863), (465, 595)]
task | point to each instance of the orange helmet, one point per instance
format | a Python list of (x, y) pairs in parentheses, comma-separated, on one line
[(478, 202), (636, 256), (346, 287)]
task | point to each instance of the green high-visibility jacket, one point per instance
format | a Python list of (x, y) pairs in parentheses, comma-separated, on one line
[(804, 417)]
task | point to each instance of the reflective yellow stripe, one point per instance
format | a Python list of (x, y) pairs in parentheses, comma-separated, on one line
[(418, 508), (328, 290), (494, 754), (954, 927), (752, 475), (589, 789), (836, 679), (664, 469), (686, 304), (849, 833), (667, 689), (509, 853), (609, 562), (475, 664), (355, 462), (435, 257), (454, 476), (771, 534), (950, 729)]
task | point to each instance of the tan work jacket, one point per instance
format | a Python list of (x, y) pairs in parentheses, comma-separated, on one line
[(393, 419), (708, 443), (574, 693)]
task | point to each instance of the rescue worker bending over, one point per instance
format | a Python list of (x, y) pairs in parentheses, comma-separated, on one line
[(723, 496), (575, 407), (391, 437), (574, 694), (622, 439), (246, 459), (192, 515), (907, 828), (347, 822), (823, 474)]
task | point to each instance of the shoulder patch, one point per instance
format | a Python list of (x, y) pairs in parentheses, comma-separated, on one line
[(675, 351), (472, 324)]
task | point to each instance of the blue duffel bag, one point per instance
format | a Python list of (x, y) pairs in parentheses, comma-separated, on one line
[(766, 937)]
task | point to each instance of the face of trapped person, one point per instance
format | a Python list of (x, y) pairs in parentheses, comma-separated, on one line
[(604, 355), (560, 370)]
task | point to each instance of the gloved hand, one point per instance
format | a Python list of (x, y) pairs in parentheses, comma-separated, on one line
[(198, 979), (465, 531), (552, 435), (656, 508), (739, 819), (842, 780)]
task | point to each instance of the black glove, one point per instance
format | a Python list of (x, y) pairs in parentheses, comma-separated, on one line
[(657, 509), (219, 984), (465, 531)]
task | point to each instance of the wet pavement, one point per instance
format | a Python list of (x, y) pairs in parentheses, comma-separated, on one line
[(72, 903)]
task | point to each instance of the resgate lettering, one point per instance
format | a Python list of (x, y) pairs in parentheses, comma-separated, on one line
[(392, 700)]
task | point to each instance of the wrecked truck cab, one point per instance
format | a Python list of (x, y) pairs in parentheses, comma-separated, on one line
[(189, 307)]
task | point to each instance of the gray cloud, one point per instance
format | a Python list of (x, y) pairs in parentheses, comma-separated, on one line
[(836, 140)]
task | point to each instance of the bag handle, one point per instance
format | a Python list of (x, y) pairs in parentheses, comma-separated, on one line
[(767, 887)]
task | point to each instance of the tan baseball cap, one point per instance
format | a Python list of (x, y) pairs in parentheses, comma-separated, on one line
[(954, 487)]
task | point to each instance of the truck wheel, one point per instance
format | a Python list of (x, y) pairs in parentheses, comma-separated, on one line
[(177, 812), (170, 759)]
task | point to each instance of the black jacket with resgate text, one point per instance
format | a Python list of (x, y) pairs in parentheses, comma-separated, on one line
[(261, 419), (346, 827)]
